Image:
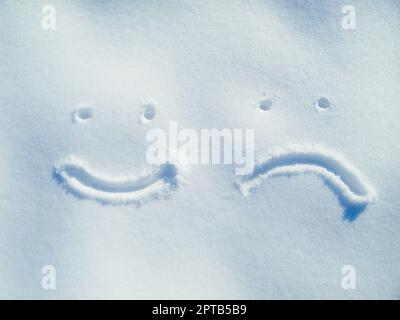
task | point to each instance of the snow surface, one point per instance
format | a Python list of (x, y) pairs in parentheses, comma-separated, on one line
[(209, 64)]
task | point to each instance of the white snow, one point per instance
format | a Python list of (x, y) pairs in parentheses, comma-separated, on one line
[(208, 64)]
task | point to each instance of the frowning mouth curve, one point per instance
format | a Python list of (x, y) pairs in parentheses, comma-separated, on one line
[(351, 188)]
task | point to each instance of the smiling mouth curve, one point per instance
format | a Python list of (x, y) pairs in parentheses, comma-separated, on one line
[(79, 179)]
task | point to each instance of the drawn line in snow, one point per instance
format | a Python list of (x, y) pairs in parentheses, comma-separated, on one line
[(82, 115), (78, 179), (347, 183)]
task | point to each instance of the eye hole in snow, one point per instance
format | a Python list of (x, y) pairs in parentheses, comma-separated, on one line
[(82, 115), (265, 105), (323, 103), (148, 113), (267, 100)]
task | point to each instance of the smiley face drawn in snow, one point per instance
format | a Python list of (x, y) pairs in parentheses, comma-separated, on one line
[(80, 179)]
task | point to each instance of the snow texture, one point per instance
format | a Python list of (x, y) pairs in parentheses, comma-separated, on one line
[(113, 226)]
